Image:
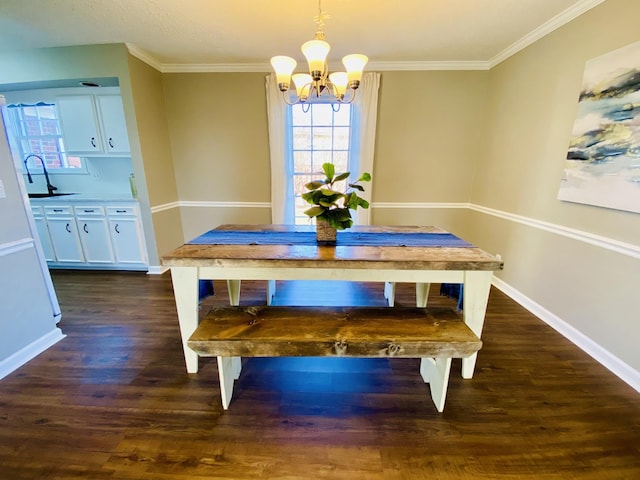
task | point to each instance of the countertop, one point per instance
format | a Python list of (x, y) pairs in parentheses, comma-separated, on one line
[(84, 197)]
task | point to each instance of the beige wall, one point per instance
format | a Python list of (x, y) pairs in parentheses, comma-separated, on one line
[(157, 176), (219, 137), (431, 126), (427, 143), (220, 146), (532, 105)]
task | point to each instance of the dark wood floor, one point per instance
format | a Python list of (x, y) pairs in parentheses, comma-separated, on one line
[(112, 401)]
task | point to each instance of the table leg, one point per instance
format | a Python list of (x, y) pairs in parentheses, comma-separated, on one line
[(234, 292), (185, 288), (476, 295), (422, 294), (234, 363), (390, 293), (271, 291)]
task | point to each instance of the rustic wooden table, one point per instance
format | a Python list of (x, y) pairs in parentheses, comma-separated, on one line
[(469, 266)]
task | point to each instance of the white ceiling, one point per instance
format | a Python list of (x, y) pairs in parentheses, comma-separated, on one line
[(182, 35)]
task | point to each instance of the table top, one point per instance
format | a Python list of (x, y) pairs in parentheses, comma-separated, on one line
[(338, 256)]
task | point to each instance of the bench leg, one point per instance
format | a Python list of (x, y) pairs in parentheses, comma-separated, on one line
[(228, 371), (435, 372), (390, 293)]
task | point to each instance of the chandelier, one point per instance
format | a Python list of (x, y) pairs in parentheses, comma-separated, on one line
[(319, 81)]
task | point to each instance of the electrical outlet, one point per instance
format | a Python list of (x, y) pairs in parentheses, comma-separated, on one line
[(3, 194)]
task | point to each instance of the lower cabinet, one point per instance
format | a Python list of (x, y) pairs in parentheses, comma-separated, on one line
[(64, 234), (126, 235), (92, 235)]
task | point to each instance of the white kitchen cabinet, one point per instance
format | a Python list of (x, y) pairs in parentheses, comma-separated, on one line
[(93, 124), (80, 128), (43, 234), (64, 234), (114, 127), (126, 235), (91, 234), (94, 234)]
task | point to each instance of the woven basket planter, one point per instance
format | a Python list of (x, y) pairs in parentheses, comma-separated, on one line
[(325, 232)]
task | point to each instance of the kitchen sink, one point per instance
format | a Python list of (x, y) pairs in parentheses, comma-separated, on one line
[(48, 195)]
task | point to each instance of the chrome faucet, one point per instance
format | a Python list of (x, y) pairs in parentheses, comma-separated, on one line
[(50, 187)]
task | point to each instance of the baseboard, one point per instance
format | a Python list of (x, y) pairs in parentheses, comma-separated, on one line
[(156, 270), (35, 348), (622, 370)]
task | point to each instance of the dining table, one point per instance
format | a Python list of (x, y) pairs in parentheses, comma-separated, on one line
[(390, 254)]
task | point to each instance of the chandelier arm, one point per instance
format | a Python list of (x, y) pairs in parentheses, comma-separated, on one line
[(286, 99)]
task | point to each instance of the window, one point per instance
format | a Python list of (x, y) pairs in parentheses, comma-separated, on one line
[(35, 130), (317, 135)]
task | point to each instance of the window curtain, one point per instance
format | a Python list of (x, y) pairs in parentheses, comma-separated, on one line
[(277, 119), (366, 109)]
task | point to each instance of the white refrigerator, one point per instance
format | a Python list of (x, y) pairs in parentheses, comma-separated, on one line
[(29, 310)]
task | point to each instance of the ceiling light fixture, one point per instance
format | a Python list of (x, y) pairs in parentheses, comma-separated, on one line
[(318, 80)]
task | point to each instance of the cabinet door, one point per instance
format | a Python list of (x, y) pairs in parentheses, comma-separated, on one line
[(127, 240), (79, 124), (45, 239), (94, 236), (114, 126), (64, 236)]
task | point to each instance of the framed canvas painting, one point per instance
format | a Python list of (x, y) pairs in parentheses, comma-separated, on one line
[(603, 161)]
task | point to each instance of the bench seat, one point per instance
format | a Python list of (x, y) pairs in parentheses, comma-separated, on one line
[(434, 335)]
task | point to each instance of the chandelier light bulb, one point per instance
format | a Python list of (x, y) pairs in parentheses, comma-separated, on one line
[(339, 81), (316, 51), (283, 67), (303, 82), (355, 65)]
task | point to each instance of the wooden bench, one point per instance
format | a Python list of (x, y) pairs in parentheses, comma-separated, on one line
[(434, 335)]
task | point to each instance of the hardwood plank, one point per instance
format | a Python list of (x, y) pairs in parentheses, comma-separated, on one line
[(537, 407)]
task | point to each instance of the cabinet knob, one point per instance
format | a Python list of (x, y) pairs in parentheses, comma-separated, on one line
[(116, 228), (93, 141), (68, 228), (86, 230), (111, 142)]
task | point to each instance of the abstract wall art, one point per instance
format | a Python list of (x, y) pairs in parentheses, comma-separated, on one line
[(602, 167)]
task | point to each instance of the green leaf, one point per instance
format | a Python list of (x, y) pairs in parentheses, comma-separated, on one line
[(326, 203), (327, 192), (342, 176), (329, 170), (365, 177), (314, 185), (363, 203), (314, 211), (360, 188)]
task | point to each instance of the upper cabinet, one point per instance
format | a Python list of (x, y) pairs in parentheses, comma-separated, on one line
[(93, 124)]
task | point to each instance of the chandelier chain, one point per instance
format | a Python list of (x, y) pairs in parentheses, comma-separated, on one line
[(319, 20)]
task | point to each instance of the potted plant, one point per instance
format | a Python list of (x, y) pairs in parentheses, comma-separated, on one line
[(332, 208)]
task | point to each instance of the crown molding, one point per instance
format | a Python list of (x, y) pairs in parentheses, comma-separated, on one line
[(374, 66), (545, 29), (144, 56), (214, 67)]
